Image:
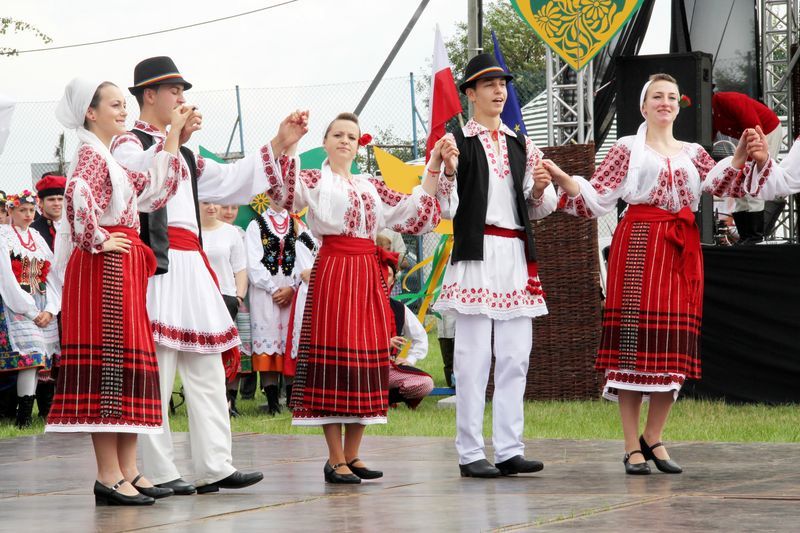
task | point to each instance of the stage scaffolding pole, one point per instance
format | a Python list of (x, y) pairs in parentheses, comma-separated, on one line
[(570, 102)]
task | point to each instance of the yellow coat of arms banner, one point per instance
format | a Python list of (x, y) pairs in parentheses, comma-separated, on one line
[(576, 30)]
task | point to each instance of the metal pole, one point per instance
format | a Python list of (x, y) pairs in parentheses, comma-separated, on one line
[(239, 111), (414, 153), (388, 61), (474, 44), (579, 78), (548, 58)]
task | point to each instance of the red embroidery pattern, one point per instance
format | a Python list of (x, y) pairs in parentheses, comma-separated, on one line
[(207, 342), (127, 137), (494, 300), (645, 379), (702, 162), (612, 171), (428, 211), (352, 217), (311, 178), (388, 196), (445, 186), (200, 162), (370, 216), (732, 182)]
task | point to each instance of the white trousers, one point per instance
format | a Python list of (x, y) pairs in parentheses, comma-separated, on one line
[(472, 362), (203, 378)]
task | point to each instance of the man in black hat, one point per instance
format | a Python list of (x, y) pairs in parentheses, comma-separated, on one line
[(492, 283), (192, 328)]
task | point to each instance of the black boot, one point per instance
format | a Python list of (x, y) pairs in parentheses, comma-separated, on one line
[(272, 406), (395, 397), (231, 394), (8, 403), (742, 221), (288, 394), (24, 411), (447, 346), (756, 227), (247, 385), (44, 397)]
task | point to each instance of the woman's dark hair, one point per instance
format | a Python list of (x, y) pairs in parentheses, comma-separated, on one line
[(352, 117), (96, 99)]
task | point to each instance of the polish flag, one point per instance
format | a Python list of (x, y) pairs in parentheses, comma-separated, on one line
[(444, 102)]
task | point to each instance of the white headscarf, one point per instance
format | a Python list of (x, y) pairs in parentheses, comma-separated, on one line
[(71, 113), (637, 151)]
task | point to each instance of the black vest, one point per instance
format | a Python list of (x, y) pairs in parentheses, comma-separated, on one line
[(43, 225), (473, 193), (153, 229), (399, 312)]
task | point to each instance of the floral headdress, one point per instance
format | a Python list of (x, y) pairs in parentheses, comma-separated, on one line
[(25, 197)]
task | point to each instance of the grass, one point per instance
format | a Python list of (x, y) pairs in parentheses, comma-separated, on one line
[(691, 420)]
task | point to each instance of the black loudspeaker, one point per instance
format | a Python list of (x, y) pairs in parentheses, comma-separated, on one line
[(692, 70)]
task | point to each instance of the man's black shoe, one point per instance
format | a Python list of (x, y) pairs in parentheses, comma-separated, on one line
[(519, 465), (237, 480), (179, 487), (479, 468)]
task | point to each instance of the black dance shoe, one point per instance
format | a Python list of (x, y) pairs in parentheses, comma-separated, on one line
[(237, 480), (480, 468), (518, 465), (109, 496), (154, 492), (362, 471), (638, 469), (179, 487), (668, 466), (331, 476)]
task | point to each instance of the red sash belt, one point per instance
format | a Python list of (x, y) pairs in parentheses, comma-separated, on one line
[(185, 241), (340, 245), (133, 236), (497, 231), (682, 232)]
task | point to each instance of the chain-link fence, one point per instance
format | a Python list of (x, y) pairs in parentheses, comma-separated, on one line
[(31, 147)]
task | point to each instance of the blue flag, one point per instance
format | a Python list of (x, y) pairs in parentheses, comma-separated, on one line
[(512, 113)]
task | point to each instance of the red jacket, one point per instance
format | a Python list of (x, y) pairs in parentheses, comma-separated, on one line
[(734, 112)]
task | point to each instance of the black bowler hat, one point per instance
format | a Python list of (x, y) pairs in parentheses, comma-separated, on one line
[(482, 66), (156, 71)]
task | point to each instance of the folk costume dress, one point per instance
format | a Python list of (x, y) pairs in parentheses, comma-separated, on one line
[(272, 242), (304, 259), (190, 324), (26, 289), (108, 380), (342, 365), (492, 284), (653, 311)]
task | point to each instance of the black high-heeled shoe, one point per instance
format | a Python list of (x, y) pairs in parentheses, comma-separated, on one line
[(153, 492), (362, 471), (331, 476), (668, 466), (109, 496), (635, 469)]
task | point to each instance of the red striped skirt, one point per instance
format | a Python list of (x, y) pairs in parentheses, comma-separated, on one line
[(343, 356), (653, 312), (108, 381)]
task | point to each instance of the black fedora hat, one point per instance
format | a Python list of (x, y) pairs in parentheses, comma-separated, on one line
[(156, 71), (480, 67)]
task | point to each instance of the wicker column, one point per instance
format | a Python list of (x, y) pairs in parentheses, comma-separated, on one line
[(565, 341)]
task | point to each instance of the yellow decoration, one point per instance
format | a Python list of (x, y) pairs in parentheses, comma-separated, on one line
[(576, 30), (260, 203), (403, 177)]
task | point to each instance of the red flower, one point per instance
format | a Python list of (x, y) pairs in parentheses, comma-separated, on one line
[(365, 139), (685, 101)]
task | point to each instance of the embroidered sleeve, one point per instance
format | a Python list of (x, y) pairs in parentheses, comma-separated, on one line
[(236, 183), (538, 208), (128, 150), (13, 296), (599, 195), (156, 186), (414, 213), (446, 192), (775, 180), (87, 197)]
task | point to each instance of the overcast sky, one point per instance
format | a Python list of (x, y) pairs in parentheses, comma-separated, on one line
[(308, 42)]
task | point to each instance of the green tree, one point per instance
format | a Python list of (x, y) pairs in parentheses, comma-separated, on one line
[(522, 49), (7, 24)]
